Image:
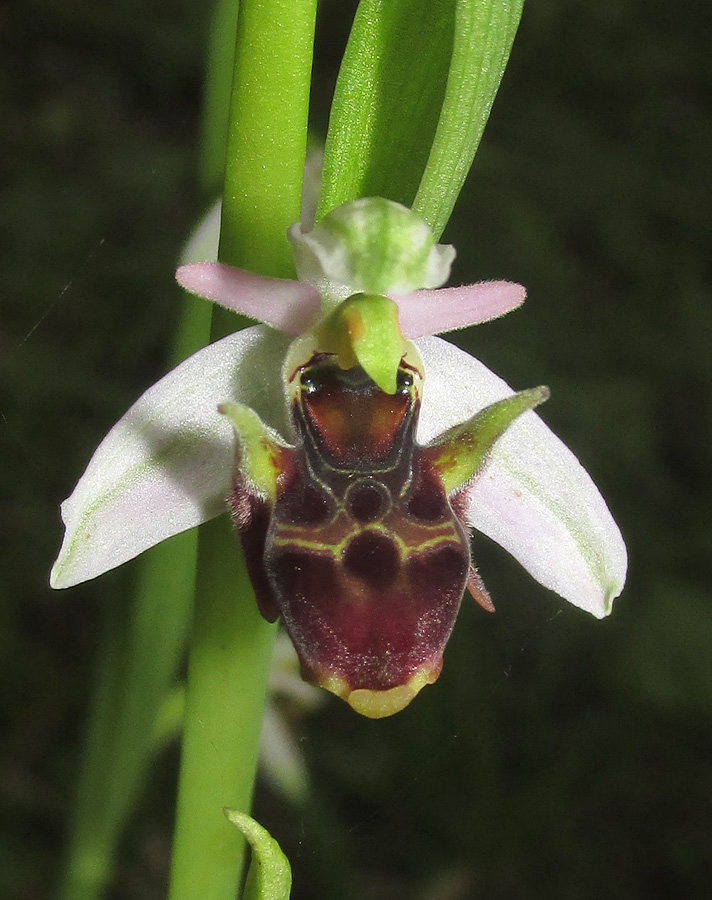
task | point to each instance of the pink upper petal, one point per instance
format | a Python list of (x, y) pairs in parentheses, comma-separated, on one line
[(289, 306), (293, 306), (433, 312)]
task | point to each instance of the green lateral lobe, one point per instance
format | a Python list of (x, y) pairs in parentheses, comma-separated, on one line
[(270, 875), (459, 454), (484, 33), (365, 329), (259, 447), (387, 101)]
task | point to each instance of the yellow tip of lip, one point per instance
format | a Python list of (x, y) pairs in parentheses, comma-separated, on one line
[(380, 704)]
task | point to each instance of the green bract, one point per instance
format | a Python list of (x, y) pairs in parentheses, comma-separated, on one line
[(270, 875), (412, 99)]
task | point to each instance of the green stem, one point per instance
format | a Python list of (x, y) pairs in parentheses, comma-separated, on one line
[(231, 644), (227, 676), (267, 133)]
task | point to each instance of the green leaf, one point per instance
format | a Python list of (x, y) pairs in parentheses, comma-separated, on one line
[(484, 32), (412, 99), (387, 101), (270, 875)]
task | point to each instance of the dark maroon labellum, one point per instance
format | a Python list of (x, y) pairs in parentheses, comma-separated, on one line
[(362, 555)]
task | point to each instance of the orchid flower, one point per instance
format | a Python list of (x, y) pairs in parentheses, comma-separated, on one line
[(354, 499)]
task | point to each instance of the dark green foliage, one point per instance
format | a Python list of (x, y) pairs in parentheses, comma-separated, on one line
[(557, 756)]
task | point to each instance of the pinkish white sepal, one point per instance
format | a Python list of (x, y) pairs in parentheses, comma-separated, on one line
[(534, 497), (165, 466)]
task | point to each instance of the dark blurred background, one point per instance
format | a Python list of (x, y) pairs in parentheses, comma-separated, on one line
[(557, 757)]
